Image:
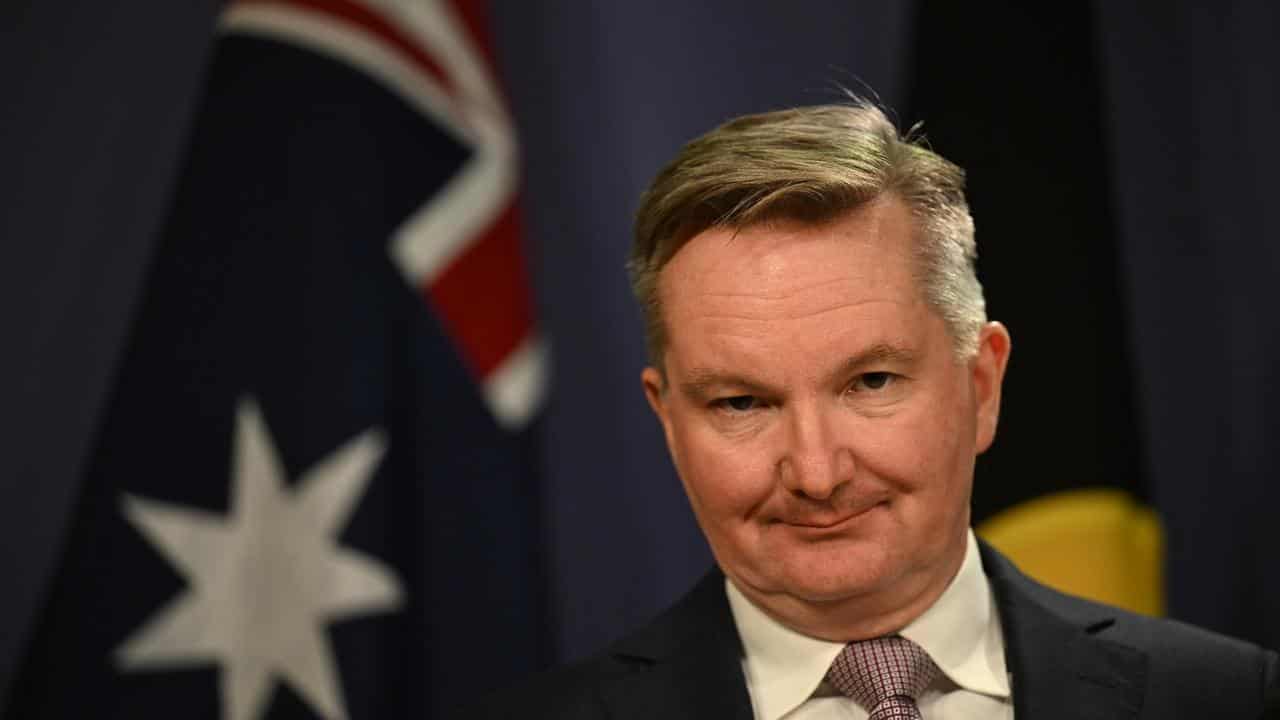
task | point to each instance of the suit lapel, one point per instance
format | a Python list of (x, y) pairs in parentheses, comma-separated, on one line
[(1061, 664), (688, 663)]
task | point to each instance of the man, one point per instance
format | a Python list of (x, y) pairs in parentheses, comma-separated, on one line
[(825, 375)]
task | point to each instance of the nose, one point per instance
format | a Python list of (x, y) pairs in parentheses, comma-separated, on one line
[(816, 461)]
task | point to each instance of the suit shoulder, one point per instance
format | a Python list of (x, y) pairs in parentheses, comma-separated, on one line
[(1187, 671), (1155, 634), (695, 633), (1177, 650)]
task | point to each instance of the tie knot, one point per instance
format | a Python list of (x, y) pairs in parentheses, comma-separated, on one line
[(877, 670)]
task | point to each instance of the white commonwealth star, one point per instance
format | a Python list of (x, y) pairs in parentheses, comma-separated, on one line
[(265, 580)]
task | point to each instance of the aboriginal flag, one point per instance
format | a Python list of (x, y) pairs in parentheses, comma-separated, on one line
[(311, 493), (1014, 96)]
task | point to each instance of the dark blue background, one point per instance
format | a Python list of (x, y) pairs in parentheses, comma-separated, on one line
[(101, 105)]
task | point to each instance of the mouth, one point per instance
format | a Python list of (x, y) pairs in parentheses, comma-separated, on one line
[(829, 523)]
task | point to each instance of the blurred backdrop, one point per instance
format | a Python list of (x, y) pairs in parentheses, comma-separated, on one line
[(320, 379)]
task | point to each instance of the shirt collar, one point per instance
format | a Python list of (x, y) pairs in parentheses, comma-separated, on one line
[(960, 631)]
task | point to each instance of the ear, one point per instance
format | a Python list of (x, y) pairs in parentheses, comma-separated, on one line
[(655, 391), (988, 375)]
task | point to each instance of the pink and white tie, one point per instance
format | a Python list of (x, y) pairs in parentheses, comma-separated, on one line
[(885, 675)]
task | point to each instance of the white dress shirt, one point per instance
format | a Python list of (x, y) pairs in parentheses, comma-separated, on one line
[(961, 632)]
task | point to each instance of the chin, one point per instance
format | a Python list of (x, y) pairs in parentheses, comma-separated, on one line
[(838, 584), (836, 574)]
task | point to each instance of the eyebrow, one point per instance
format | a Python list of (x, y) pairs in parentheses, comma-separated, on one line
[(703, 381), (878, 354)]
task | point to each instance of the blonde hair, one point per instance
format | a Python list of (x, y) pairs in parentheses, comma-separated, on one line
[(812, 164)]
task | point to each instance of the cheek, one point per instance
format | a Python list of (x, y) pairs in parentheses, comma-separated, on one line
[(922, 452), (724, 479)]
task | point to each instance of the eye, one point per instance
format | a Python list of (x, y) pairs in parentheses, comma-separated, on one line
[(738, 403), (874, 381)]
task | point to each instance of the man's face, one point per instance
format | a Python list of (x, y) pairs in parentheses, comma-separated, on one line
[(816, 412)]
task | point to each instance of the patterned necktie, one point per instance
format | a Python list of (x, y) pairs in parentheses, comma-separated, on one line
[(885, 675)]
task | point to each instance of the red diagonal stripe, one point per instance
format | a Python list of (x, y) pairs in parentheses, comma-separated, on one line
[(483, 295), (475, 20)]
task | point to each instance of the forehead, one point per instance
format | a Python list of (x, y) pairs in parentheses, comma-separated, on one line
[(785, 293), (865, 253)]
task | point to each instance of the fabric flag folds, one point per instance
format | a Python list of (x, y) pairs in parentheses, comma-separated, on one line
[(312, 493)]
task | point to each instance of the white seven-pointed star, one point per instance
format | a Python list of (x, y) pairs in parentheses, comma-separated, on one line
[(265, 580)]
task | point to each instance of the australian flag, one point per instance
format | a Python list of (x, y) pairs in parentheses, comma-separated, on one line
[(310, 494)]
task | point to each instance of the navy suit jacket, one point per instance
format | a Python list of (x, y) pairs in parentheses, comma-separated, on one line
[(1069, 659)]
